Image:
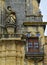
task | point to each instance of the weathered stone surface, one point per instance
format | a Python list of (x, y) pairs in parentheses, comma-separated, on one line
[(21, 9)]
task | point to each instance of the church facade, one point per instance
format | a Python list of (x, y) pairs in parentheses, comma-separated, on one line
[(22, 40)]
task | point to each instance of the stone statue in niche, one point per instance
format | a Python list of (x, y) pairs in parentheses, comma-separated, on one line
[(10, 20), (10, 15)]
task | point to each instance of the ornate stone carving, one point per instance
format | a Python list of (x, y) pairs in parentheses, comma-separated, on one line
[(10, 20)]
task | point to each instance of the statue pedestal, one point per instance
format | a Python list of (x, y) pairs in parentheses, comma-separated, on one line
[(10, 30)]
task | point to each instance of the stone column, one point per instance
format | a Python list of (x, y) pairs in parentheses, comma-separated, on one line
[(2, 5)]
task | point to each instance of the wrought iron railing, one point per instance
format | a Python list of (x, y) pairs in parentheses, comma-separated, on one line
[(33, 53), (36, 56)]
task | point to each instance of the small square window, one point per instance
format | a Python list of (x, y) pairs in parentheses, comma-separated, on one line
[(35, 43), (38, 34), (36, 47), (30, 45), (28, 34)]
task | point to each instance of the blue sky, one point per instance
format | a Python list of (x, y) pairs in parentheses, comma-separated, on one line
[(43, 8)]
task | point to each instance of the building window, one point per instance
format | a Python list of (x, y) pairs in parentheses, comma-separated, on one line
[(36, 45), (28, 34), (30, 45), (38, 34), (33, 44)]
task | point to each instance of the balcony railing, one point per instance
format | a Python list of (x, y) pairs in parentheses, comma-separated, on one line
[(10, 25), (10, 35), (35, 53), (36, 56)]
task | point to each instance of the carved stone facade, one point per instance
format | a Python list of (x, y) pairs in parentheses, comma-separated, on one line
[(22, 37), (26, 10)]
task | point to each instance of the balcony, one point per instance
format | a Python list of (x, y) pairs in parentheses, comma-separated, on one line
[(10, 36), (36, 56), (34, 50)]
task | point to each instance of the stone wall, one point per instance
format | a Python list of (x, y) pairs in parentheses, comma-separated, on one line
[(45, 54), (11, 53)]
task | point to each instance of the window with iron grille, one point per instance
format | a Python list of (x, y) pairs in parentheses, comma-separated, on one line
[(33, 45), (36, 45), (30, 45)]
